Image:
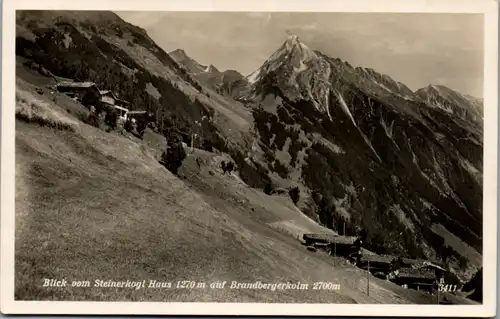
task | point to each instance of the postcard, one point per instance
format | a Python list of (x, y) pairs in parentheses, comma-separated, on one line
[(249, 158)]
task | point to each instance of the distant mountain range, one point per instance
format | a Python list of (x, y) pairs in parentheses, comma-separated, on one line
[(365, 151), (369, 151), (191, 65), (226, 83)]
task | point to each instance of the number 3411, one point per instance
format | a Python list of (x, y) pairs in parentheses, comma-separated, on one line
[(447, 288)]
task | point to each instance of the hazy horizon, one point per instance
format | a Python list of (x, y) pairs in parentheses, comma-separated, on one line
[(417, 49)]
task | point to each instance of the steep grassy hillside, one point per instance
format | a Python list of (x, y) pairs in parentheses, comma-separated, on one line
[(101, 47), (95, 205)]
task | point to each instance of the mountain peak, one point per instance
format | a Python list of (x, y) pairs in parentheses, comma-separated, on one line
[(212, 69), (179, 54), (451, 101), (293, 44), (436, 88), (292, 40), (291, 53)]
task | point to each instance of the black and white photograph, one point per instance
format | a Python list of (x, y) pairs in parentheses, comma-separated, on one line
[(223, 159)]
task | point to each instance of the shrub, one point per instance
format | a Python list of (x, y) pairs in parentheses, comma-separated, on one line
[(142, 123), (93, 119), (172, 158), (230, 167), (92, 98), (128, 125), (152, 126), (227, 167), (281, 169), (207, 145), (111, 118), (294, 195), (269, 188)]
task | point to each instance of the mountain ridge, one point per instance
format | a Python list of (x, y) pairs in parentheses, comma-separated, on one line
[(363, 152), (226, 83), (360, 113)]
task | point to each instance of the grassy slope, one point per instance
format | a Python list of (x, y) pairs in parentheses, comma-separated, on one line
[(267, 214), (94, 205)]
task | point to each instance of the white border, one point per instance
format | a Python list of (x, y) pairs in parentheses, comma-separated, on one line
[(488, 308)]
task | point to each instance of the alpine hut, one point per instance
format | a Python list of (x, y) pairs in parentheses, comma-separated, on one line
[(87, 92), (421, 279), (376, 263)]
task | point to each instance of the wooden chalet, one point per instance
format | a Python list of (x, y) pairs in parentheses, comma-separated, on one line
[(79, 90), (310, 239), (109, 98), (344, 246), (404, 262), (376, 263), (421, 279), (438, 270), (60, 79)]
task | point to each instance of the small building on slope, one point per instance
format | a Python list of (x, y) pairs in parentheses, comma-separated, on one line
[(345, 246), (376, 263), (87, 92), (342, 246), (310, 239), (420, 279), (108, 98)]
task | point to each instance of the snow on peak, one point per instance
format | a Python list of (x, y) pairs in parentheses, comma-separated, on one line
[(294, 46), (292, 51), (292, 41), (252, 78)]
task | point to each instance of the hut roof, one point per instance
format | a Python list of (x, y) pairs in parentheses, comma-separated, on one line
[(429, 264), (417, 263), (109, 92), (61, 79), (318, 237), (122, 101), (331, 239), (120, 108), (136, 112), (387, 259), (364, 251), (76, 84), (416, 273), (344, 240)]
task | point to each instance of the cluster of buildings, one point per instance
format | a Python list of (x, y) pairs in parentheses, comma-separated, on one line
[(415, 274), (89, 91)]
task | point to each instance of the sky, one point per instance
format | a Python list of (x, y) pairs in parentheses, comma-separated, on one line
[(417, 49)]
